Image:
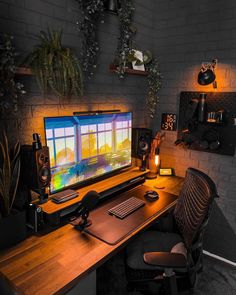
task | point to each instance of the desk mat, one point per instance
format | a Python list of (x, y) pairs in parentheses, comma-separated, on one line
[(112, 230)]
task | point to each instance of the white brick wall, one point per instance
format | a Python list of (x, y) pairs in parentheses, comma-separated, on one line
[(181, 34), (186, 34)]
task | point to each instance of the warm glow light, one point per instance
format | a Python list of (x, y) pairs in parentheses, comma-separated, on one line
[(157, 160)]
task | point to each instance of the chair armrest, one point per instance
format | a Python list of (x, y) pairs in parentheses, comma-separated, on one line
[(165, 259)]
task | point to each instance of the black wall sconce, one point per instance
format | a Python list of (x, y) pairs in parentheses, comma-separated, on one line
[(207, 74), (112, 6)]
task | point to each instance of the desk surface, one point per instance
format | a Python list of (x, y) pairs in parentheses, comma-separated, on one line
[(103, 185), (54, 263)]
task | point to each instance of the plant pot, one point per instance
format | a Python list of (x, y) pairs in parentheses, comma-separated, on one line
[(12, 229)]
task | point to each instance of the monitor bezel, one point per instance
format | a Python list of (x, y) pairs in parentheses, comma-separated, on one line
[(94, 179)]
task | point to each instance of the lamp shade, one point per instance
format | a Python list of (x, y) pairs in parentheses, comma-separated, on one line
[(206, 77), (112, 6)]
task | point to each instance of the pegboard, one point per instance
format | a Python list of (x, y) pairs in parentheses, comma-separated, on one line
[(224, 133)]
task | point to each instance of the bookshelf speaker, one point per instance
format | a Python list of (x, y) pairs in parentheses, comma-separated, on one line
[(141, 142), (35, 167)]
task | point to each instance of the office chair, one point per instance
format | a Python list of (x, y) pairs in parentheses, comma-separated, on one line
[(172, 255), (7, 288)]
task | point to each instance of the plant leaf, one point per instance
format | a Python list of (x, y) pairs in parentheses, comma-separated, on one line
[(14, 182)]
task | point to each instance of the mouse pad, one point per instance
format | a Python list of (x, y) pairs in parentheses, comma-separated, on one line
[(111, 229)]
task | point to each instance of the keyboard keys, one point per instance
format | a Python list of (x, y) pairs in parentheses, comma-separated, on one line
[(127, 207)]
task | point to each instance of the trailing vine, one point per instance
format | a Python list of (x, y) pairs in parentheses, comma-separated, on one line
[(125, 54), (92, 13), (55, 66), (154, 83), (127, 30), (10, 90)]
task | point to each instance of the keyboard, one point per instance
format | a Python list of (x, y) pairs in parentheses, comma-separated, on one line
[(127, 207)]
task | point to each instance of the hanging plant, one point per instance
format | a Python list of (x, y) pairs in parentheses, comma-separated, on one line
[(154, 78), (154, 84), (127, 31), (10, 90), (92, 14), (56, 67), (126, 55)]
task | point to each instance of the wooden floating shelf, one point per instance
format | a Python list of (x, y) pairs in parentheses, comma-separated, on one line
[(113, 69), (24, 71)]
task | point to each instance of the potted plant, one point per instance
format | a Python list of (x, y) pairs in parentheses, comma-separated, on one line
[(12, 222), (154, 77), (126, 55), (56, 67)]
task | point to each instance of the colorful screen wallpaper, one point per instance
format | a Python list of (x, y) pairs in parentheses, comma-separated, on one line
[(85, 147)]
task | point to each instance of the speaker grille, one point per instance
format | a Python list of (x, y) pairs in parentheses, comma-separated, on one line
[(35, 167), (141, 142)]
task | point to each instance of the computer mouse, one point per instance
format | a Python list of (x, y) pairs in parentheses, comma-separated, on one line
[(151, 195)]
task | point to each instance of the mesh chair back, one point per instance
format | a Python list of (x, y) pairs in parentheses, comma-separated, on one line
[(193, 204)]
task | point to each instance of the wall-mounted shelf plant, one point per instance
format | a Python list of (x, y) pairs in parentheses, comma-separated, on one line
[(113, 68), (24, 71), (56, 67), (127, 54)]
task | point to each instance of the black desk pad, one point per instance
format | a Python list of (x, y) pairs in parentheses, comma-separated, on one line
[(111, 229)]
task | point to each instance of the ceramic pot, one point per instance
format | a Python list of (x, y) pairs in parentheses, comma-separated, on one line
[(12, 229)]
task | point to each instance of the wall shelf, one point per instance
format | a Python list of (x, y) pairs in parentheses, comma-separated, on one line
[(113, 69), (24, 71), (215, 123), (211, 137)]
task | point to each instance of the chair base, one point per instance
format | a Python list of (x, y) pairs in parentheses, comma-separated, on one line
[(151, 282)]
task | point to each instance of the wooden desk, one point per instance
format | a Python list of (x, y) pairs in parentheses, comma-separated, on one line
[(56, 262), (50, 207)]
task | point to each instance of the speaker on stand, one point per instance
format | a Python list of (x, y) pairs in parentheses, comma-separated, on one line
[(141, 145), (35, 168), (35, 178)]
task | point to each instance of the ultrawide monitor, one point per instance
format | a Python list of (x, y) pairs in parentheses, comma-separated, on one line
[(83, 148)]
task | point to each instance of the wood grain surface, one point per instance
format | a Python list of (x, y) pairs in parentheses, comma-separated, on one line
[(111, 229), (51, 207), (56, 262)]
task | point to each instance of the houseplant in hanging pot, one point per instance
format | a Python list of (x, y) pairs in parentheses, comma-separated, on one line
[(56, 67), (12, 222)]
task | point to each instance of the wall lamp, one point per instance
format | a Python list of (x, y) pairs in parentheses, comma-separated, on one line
[(207, 74), (112, 6)]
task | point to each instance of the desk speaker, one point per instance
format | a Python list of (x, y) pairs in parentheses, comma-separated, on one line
[(35, 167), (141, 142)]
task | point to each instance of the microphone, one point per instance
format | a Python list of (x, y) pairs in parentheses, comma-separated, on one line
[(90, 200), (88, 203)]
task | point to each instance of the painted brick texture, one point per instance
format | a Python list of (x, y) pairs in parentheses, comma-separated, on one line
[(24, 20), (181, 34), (186, 34)]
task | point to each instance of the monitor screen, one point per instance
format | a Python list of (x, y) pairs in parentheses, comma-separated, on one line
[(85, 147)]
